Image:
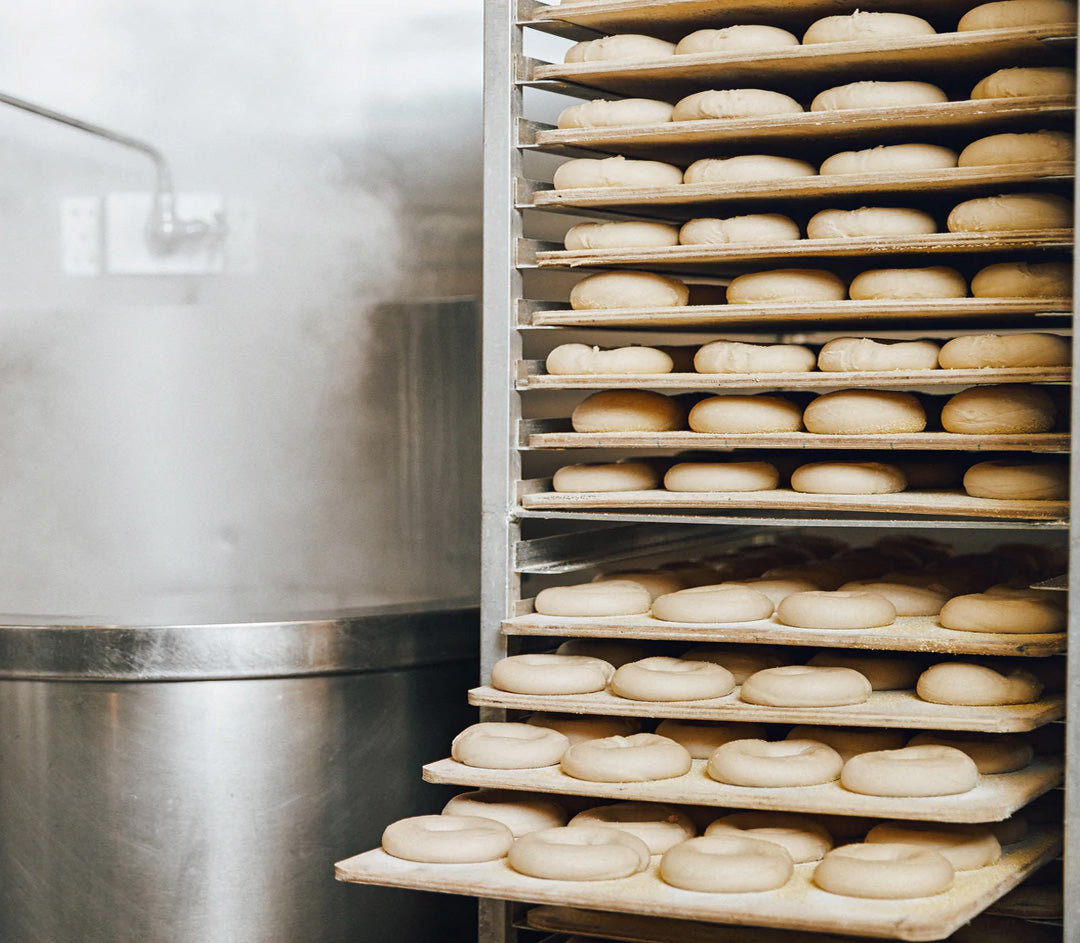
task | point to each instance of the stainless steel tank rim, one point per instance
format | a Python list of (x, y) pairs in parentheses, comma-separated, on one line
[(355, 641)]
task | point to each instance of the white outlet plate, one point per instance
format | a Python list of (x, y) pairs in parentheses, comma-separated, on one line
[(80, 235), (127, 251)]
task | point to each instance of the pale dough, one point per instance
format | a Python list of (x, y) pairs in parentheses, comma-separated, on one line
[(962, 683), (745, 414), (999, 410), (843, 354), (805, 686), (908, 284), (728, 864), (641, 757), (659, 826), (877, 95), (784, 285), (447, 839), (542, 673), (993, 612), (862, 26), (520, 812), (1026, 82), (737, 357), (848, 478), (741, 662), (627, 411), (779, 764), (890, 158), (702, 738), (1011, 212), (884, 872), (657, 582), (746, 168), (965, 847), (734, 103), (615, 172), (1004, 14), (755, 227), (590, 600), (907, 600), (713, 605), (871, 412), (722, 476), (911, 772), (671, 679), (1023, 280), (577, 728), (623, 112), (803, 838), (579, 854), (1029, 147), (849, 741), (822, 609), (883, 672), (629, 235), (736, 39), (979, 351), (1014, 480), (508, 746), (617, 476), (575, 359), (870, 221), (628, 290), (624, 47), (992, 753)]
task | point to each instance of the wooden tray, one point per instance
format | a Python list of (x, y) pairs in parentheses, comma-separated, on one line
[(797, 905), (895, 709), (907, 634), (995, 798)]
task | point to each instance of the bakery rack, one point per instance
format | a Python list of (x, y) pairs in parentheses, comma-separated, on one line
[(533, 536)]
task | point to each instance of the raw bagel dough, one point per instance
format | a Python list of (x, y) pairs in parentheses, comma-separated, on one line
[(877, 95), (907, 600), (573, 359), (447, 839), (641, 757), (756, 227), (623, 112), (1012, 480), (1011, 211), (999, 410), (618, 476), (615, 172), (746, 168), (659, 826), (849, 741), (979, 351), (883, 673), (742, 663), (629, 235), (577, 729), (1011, 830), (848, 478), (710, 605), (745, 414), (1030, 147), (774, 764), (624, 47), (727, 864), (1023, 280), (657, 582), (965, 684), (993, 753), (784, 285), (579, 854), (702, 738), (734, 103), (820, 609), (862, 26), (965, 847), (627, 411), (736, 39), (737, 357), (805, 686), (628, 290), (1025, 82), (722, 476), (671, 679), (911, 772), (508, 746), (1004, 14), (540, 673), (908, 284), (861, 412), (803, 838), (843, 354), (884, 872), (870, 221), (989, 612), (518, 811), (591, 600), (890, 158)]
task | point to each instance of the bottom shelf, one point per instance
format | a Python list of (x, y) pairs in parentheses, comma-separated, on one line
[(798, 905)]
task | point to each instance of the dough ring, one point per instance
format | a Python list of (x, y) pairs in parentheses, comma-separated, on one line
[(1007, 409), (1026, 82), (753, 228), (615, 172), (721, 476), (620, 235), (508, 746), (1011, 212), (774, 764), (1011, 480), (518, 811), (908, 284), (962, 683), (863, 26), (623, 112), (736, 39), (447, 839), (726, 864), (1023, 280), (735, 414), (594, 600), (994, 753), (628, 290), (991, 612), (803, 838), (734, 103), (870, 222), (911, 772), (642, 757), (746, 168), (671, 679), (1030, 147), (780, 286), (740, 662), (883, 672), (979, 351), (805, 686), (540, 673), (616, 476), (965, 847), (884, 872), (890, 158), (711, 605), (845, 354), (620, 47), (877, 95), (575, 359), (627, 411), (821, 609), (579, 854), (659, 826), (864, 412), (701, 737), (1005, 14), (849, 741), (737, 357), (848, 478), (577, 728), (657, 582), (907, 600)]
